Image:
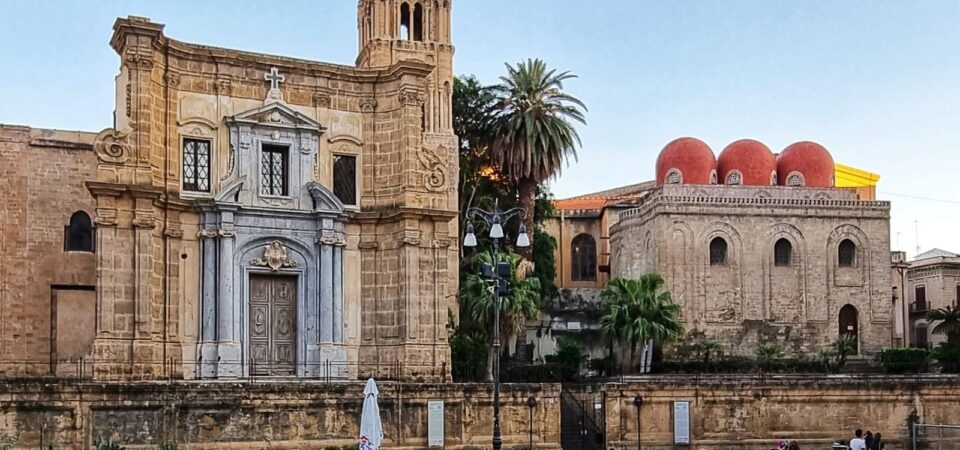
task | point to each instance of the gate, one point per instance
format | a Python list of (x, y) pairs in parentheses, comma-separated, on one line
[(582, 420)]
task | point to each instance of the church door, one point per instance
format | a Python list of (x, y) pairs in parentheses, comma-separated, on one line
[(848, 323), (273, 325)]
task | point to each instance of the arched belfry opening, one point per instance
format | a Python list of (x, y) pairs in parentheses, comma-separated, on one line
[(418, 22), (404, 21)]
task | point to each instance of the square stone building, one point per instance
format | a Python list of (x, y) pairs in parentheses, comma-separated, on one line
[(246, 215), (773, 254)]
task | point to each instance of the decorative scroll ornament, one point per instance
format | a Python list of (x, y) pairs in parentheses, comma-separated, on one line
[(112, 146), (435, 177), (274, 257)]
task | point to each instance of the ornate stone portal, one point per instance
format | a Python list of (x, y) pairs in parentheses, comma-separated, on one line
[(274, 257)]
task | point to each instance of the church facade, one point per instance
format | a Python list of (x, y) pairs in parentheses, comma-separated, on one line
[(252, 215)]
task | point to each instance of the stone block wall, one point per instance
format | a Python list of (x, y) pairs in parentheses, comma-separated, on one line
[(276, 415), (42, 175)]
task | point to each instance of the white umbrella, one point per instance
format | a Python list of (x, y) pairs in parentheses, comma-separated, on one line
[(371, 430)]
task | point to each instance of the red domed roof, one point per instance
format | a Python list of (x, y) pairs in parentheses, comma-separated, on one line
[(690, 157), (753, 160), (810, 161)]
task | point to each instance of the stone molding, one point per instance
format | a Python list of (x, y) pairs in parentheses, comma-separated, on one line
[(112, 146)]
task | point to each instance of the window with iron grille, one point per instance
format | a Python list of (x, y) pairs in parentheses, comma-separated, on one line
[(847, 253), (345, 178), (196, 165), (782, 252), (273, 170)]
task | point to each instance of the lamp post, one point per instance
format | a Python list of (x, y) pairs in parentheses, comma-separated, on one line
[(495, 219), (531, 403), (638, 401)]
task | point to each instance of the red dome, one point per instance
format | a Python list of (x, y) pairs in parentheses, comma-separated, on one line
[(810, 161), (753, 160), (690, 158)]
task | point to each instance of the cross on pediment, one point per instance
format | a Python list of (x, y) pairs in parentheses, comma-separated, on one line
[(274, 77)]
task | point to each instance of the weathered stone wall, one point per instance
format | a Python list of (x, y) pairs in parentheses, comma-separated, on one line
[(277, 415), (749, 413), (42, 175), (750, 299)]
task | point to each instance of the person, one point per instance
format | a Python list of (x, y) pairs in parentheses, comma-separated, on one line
[(877, 442), (793, 446), (868, 439), (857, 443)]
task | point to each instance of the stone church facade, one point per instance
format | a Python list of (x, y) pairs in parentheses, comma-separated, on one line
[(247, 214)]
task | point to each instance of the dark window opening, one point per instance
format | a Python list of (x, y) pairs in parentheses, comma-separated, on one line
[(404, 21), (273, 170), (584, 258), (846, 253), (78, 236), (345, 179), (718, 252), (921, 341), (782, 252), (920, 298), (196, 165), (418, 22)]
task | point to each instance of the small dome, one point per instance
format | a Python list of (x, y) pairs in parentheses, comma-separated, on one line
[(686, 160), (747, 162), (806, 164)]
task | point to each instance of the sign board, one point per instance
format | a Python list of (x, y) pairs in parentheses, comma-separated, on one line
[(435, 423), (681, 423)]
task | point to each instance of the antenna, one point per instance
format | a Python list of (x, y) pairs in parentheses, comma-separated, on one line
[(898, 240), (916, 232)]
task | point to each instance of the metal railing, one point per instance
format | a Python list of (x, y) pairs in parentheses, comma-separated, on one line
[(925, 436)]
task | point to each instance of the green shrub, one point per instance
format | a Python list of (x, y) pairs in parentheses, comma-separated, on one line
[(902, 360), (568, 356), (768, 355), (351, 447), (168, 447), (947, 355), (108, 444)]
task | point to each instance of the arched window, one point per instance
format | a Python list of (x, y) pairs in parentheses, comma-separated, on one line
[(733, 178), (773, 179), (418, 22), (713, 177), (404, 21), (583, 262), (782, 252), (847, 253), (673, 176), (718, 252), (795, 180), (78, 236)]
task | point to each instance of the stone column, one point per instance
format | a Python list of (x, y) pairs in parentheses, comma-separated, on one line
[(326, 293), (228, 347), (208, 305), (338, 293)]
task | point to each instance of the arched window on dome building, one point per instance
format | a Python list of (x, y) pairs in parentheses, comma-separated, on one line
[(713, 177), (847, 253), (795, 180), (674, 177), (773, 179), (734, 178), (583, 261), (718, 252), (782, 253)]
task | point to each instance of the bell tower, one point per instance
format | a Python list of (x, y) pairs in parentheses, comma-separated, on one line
[(395, 30)]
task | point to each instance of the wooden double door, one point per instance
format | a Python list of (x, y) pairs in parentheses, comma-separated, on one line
[(273, 325)]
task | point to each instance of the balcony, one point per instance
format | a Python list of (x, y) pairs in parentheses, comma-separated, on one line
[(919, 308)]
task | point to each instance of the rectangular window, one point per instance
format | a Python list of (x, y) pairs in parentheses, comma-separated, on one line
[(196, 165), (345, 179), (273, 170)]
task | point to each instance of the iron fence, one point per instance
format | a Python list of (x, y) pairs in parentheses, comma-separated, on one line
[(925, 436)]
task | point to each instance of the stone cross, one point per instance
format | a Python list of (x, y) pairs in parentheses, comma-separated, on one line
[(274, 78)]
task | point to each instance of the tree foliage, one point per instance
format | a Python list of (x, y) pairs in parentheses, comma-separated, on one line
[(949, 322), (639, 310)]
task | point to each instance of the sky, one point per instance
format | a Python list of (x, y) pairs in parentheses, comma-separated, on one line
[(876, 82)]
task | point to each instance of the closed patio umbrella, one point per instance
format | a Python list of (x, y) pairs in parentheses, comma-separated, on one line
[(371, 430)]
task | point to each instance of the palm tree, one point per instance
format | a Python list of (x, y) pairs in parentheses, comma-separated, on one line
[(521, 303), (949, 319), (640, 311), (709, 347), (844, 345), (532, 129), (768, 353)]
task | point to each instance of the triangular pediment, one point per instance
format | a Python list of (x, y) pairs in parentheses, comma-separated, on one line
[(277, 115), (323, 199)]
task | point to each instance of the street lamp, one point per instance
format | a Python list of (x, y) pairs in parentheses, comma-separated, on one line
[(531, 403), (638, 401), (495, 219)]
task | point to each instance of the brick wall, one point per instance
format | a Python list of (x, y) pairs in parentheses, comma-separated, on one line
[(42, 175)]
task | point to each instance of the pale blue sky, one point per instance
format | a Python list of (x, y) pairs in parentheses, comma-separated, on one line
[(876, 82)]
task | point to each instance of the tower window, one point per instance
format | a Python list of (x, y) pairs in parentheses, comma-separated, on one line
[(78, 235), (846, 253), (795, 180), (273, 170), (405, 21), (718, 252), (196, 165), (584, 258), (782, 253), (733, 178), (673, 177), (920, 298), (418, 22), (345, 179)]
